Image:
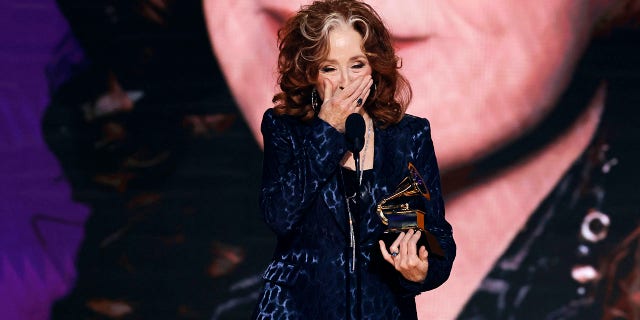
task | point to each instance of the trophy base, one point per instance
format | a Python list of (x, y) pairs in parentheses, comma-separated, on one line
[(405, 220), (427, 240)]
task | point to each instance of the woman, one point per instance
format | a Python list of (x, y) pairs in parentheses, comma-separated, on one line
[(336, 59)]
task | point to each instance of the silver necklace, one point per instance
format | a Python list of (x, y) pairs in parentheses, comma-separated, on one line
[(364, 151), (352, 236)]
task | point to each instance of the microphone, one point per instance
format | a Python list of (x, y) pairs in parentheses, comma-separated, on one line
[(354, 132), (354, 128)]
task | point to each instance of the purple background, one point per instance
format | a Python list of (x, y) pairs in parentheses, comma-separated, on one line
[(40, 228)]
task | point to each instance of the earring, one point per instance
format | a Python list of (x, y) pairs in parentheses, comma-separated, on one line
[(372, 93), (314, 100)]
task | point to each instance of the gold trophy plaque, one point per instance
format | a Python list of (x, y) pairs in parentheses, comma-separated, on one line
[(396, 213)]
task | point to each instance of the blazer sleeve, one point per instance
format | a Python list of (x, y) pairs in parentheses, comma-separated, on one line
[(435, 222), (299, 158)]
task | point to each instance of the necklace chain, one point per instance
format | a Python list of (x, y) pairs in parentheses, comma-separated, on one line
[(363, 157), (352, 235)]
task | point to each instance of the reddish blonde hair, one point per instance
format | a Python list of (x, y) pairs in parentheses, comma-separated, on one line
[(304, 42)]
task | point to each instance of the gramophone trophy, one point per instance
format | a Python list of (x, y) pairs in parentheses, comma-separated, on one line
[(397, 214)]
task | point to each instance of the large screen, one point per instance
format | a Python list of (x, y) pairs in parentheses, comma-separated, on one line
[(132, 154)]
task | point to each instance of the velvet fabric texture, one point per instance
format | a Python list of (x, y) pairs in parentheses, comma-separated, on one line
[(303, 202)]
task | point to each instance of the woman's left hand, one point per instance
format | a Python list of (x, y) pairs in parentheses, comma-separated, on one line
[(404, 256)]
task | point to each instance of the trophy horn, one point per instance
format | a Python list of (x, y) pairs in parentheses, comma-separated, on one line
[(412, 185)]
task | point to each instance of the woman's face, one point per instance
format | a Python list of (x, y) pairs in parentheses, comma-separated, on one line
[(483, 71), (345, 62)]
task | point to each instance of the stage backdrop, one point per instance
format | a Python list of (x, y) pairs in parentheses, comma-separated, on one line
[(129, 132)]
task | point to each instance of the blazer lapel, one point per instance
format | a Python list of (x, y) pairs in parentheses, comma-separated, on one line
[(386, 166), (335, 202), (388, 170)]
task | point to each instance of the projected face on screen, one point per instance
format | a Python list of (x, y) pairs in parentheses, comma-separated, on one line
[(487, 69), (483, 72)]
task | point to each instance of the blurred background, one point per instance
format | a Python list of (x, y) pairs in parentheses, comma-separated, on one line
[(131, 159)]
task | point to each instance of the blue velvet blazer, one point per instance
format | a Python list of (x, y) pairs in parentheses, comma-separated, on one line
[(310, 276)]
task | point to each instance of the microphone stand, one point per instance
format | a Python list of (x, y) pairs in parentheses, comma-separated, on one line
[(355, 128), (356, 232)]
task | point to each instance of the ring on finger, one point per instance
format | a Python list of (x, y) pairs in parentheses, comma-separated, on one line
[(359, 101), (394, 254)]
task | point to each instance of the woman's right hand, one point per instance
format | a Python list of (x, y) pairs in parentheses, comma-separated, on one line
[(338, 103)]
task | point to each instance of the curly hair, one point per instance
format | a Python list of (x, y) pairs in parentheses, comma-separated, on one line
[(303, 42)]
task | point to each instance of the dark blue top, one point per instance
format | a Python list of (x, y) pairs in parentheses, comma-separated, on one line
[(304, 203)]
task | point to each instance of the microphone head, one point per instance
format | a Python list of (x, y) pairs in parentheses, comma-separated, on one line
[(354, 132)]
